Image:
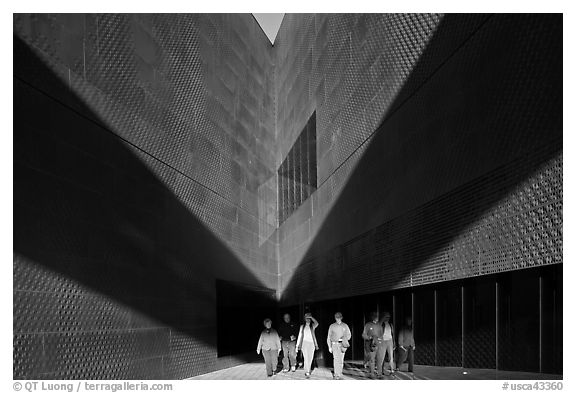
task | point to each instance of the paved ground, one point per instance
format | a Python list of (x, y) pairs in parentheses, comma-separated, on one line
[(354, 371)]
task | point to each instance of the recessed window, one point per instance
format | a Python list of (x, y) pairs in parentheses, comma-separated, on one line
[(297, 178)]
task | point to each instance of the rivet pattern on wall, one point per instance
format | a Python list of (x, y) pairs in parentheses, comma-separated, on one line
[(522, 230), (142, 164)]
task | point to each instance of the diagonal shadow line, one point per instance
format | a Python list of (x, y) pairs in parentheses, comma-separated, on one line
[(410, 88), (88, 209), (533, 139)]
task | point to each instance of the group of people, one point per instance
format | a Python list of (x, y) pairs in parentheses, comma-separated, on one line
[(290, 338), (378, 335), (379, 340)]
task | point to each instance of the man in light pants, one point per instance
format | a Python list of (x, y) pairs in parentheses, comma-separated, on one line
[(373, 333), (388, 339), (338, 336)]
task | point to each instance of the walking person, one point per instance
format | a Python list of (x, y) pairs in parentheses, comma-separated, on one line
[(269, 344), (288, 331), (406, 345), (307, 341), (338, 342), (373, 334), (388, 340), (367, 350)]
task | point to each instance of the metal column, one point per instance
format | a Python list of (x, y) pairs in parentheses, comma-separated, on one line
[(497, 323), (435, 327), (462, 360), (540, 323)]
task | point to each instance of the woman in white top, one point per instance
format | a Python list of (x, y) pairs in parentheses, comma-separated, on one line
[(307, 341)]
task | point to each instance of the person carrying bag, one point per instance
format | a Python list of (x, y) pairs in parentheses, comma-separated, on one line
[(338, 336)]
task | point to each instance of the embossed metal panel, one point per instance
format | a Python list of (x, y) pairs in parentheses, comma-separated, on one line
[(138, 182)]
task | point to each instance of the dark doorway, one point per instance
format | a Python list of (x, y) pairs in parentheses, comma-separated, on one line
[(241, 311)]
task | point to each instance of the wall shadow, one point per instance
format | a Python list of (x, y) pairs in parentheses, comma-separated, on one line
[(89, 210), (465, 130)]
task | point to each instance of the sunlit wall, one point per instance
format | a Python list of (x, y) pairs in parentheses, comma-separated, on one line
[(146, 156), (439, 148), (143, 172)]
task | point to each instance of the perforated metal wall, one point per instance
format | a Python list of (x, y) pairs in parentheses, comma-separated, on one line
[(524, 229), (142, 158), (449, 163), (148, 170)]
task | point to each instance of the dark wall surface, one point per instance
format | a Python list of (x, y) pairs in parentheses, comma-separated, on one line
[(439, 148), (146, 151), (505, 321), (135, 189)]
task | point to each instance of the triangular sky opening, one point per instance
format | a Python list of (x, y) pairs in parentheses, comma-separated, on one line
[(270, 23)]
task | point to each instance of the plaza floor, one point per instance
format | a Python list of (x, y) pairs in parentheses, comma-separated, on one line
[(353, 370)]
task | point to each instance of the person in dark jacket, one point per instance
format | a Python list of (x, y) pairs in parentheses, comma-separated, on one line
[(269, 344), (373, 335), (288, 332), (406, 345)]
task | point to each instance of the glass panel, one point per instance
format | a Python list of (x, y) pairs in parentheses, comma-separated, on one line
[(480, 324), (552, 319), (449, 325), (312, 167), (280, 196), (304, 168), (290, 183), (297, 174), (519, 321), (424, 326), (284, 194)]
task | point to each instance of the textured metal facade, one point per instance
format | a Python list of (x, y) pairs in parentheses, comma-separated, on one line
[(439, 148), (507, 321), (439, 160), (143, 165), (426, 245), (146, 150)]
